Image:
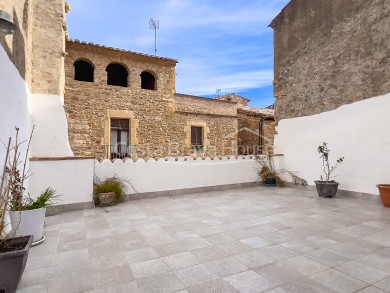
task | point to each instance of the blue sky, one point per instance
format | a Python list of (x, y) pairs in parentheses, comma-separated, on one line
[(219, 44)]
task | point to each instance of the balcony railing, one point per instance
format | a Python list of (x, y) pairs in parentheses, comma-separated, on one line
[(120, 151)]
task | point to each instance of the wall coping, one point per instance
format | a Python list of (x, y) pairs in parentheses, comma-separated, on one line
[(186, 159), (34, 159)]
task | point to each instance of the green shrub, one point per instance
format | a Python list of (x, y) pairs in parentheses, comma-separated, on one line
[(111, 185)]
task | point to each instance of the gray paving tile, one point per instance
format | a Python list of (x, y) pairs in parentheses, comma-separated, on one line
[(180, 260), (140, 255), (256, 242), (384, 284), (107, 261), (253, 259), (226, 266), (338, 281), (326, 257), (195, 275), (219, 238), (77, 281), (112, 276), (209, 253), (215, 286), (248, 282), (119, 288), (305, 285), (164, 283), (362, 272), (148, 268), (278, 273), (371, 289), (277, 252), (234, 247), (304, 265), (41, 288)]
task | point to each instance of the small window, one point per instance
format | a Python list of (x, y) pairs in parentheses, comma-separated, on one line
[(196, 136), (148, 82), (120, 132), (83, 71), (117, 75)]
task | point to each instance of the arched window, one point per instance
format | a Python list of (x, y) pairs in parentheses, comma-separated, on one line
[(117, 75), (148, 82), (83, 71)]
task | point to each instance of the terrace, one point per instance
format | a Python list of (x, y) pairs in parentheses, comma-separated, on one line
[(254, 239)]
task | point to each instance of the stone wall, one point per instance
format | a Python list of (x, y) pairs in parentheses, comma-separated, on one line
[(249, 134), (241, 101), (329, 53), (194, 104), (36, 48), (158, 129)]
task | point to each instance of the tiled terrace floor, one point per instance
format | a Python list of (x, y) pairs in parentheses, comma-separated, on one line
[(245, 240)]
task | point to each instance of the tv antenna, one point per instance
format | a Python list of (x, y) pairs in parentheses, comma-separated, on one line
[(218, 92), (154, 24)]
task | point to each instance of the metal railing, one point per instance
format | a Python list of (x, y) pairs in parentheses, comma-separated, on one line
[(120, 151)]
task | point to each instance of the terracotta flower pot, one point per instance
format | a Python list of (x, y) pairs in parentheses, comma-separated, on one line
[(384, 191)]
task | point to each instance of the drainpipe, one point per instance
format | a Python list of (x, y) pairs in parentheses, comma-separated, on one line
[(261, 136)]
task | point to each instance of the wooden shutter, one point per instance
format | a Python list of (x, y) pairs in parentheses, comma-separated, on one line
[(196, 135)]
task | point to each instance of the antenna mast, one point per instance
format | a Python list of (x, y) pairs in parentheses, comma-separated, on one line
[(154, 24)]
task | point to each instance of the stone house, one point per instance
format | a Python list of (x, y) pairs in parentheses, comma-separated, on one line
[(332, 84), (124, 104)]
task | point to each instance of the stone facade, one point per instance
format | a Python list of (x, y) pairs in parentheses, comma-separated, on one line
[(241, 101), (256, 131), (330, 53), (37, 46), (159, 119)]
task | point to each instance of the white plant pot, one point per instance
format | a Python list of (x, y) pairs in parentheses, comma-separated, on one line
[(30, 222)]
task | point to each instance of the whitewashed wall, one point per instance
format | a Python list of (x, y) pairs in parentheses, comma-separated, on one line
[(51, 127), (15, 104), (152, 176), (360, 132), (72, 179)]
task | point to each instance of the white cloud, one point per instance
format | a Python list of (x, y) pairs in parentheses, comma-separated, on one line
[(219, 44)]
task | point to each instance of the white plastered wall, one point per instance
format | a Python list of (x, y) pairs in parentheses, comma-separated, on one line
[(72, 179), (51, 127), (161, 175), (15, 105), (360, 132)]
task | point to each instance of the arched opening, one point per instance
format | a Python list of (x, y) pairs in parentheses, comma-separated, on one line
[(148, 82), (83, 71), (117, 75)]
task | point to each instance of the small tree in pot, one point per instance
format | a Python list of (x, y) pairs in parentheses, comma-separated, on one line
[(327, 187)]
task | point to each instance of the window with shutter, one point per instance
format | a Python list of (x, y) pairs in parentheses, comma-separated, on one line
[(196, 136)]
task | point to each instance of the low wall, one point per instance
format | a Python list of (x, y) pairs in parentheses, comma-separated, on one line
[(181, 175), (71, 177), (358, 131)]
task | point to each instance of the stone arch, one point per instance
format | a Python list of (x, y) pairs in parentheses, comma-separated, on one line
[(83, 70), (148, 80), (117, 74)]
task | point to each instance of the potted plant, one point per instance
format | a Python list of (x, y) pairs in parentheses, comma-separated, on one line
[(13, 250), (327, 187), (110, 191), (384, 191), (272, 176), (28, 215)]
